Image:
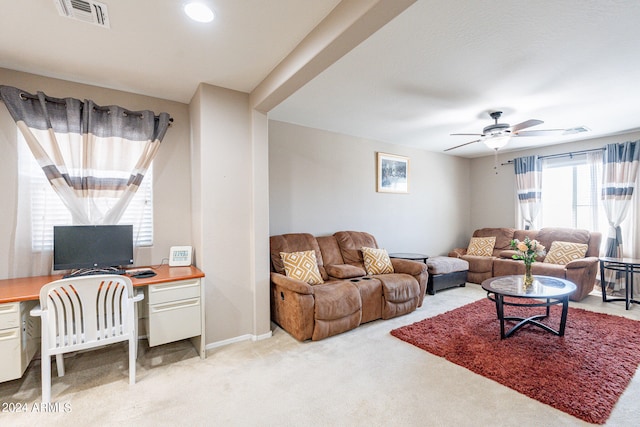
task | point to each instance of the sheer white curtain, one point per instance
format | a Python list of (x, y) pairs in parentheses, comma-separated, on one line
[(571, 192)]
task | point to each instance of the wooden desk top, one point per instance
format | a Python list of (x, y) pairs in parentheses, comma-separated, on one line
[(28, 288)]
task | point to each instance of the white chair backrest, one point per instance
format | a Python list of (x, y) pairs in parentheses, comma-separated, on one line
[(82, 311)]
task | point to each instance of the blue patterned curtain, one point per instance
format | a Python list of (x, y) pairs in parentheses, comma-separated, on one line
[(620, 170), (529, 187), (87, 151)]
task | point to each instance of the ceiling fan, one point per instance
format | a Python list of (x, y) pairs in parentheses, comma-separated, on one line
[(497, 135)]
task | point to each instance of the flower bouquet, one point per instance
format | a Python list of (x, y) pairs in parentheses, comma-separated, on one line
[(527, 250)]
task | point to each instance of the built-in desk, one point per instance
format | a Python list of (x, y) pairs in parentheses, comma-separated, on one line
[(174, 310)]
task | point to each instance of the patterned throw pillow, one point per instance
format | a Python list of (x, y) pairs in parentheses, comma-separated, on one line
[(302, 266), (376, 261), (564, 252), (481, 246)]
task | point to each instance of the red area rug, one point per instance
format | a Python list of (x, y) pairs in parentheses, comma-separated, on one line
[(583, 373)]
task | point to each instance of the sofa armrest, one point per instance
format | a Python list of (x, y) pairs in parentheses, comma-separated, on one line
[(509, 253), (344, 271), (414, 268), (457, 252), (293, 285), (583, 262)]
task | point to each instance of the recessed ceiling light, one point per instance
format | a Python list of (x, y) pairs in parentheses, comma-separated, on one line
[(198, 12)]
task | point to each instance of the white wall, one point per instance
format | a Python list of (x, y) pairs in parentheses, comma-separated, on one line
[(493, 200), (323, 182), (230, 213)]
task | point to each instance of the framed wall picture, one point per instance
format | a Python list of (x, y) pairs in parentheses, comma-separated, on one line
[(393, 173)]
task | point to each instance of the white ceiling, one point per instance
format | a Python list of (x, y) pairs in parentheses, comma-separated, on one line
[(436, 69), (441, 65), (152, 48)]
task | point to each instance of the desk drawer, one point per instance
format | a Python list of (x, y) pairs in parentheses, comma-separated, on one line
[(174, 291), (173, 321), (10, 351), (9, 315)]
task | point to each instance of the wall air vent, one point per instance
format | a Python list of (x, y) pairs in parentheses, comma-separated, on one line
[(89, 11)]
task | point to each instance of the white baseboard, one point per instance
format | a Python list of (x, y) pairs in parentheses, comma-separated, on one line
[(247, 337)]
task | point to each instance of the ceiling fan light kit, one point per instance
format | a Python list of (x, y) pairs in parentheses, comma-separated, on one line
[(496, 141)]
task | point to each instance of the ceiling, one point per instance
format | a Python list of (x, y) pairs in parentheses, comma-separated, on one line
[(437, 68), (153, 48)]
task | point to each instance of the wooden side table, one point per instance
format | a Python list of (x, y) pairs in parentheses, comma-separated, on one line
[(627, 265)]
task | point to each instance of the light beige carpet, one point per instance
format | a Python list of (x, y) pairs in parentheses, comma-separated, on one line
[(365, 377)]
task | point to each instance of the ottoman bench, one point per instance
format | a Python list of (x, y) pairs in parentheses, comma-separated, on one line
[(446, 272)]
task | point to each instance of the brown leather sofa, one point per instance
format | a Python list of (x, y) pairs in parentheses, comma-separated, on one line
[(348, 297), (582, 272)]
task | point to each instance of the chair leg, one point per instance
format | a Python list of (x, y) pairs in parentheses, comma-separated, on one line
[(60, 364), (132, 359), (45, 362)]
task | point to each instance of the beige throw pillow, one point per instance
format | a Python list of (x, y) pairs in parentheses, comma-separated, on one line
[(302, 266), (376, 261), (481, 246), (564, 252)]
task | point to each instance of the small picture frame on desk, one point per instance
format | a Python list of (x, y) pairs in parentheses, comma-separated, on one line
[(180, 256), (393, 173)]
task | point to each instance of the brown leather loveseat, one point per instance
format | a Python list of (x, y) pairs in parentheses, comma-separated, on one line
[(581, 271), (347, 296)]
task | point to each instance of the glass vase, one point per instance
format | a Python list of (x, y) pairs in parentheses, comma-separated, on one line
[(527, 281)]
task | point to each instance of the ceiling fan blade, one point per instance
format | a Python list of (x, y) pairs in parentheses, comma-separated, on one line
[(524, 125), (578, 129), (462, 145), (465, 134), (551, 132), (541, 132)]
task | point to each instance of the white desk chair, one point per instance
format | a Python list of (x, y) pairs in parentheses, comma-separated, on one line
[(85, 312)]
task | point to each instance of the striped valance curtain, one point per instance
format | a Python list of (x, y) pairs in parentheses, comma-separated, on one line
[(528, 171), (88, 151)]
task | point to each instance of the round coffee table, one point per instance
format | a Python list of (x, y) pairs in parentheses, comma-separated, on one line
[(544, 292)]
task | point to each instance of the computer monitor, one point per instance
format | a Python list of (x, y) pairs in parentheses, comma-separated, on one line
[(92, 246)]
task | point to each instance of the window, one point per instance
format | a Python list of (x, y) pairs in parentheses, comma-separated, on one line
[(570, 192), (46, 208)]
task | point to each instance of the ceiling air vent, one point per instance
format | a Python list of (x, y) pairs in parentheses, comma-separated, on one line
[(89, 11)]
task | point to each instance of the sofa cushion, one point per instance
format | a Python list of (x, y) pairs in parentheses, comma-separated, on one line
[(401, 294), (481, 246), (376, 261), (294, 242), (564, 252), (503, 237), (330, 250), (338, 308), (370, 290), (351, 242), (302, 266), (548, 235)]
